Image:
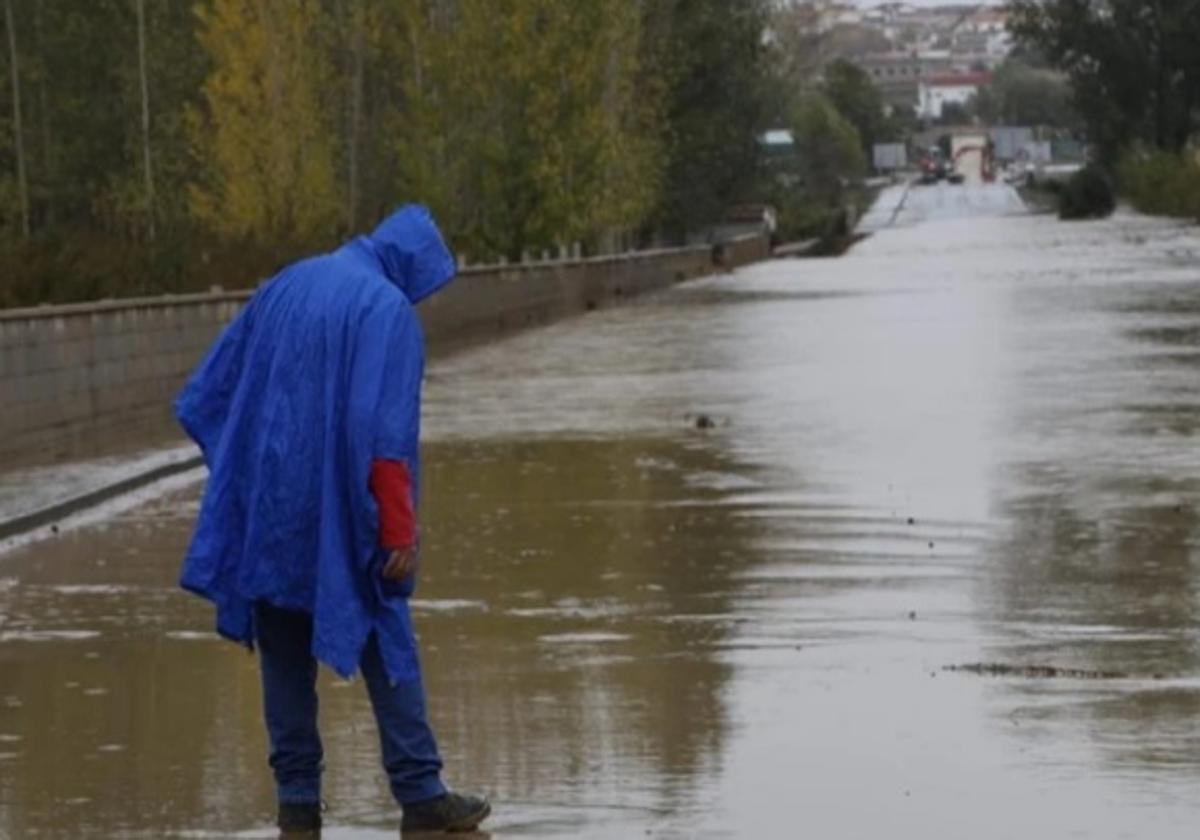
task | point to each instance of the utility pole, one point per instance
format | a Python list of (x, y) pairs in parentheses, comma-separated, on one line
[(149, 170), (22, 185)]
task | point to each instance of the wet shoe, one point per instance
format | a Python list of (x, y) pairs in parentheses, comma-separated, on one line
[(449, 812), (299, 819)]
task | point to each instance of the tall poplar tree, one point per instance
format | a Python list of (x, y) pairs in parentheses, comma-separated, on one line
[(521, 123), (264, 131), (14, 68), (147, 157)]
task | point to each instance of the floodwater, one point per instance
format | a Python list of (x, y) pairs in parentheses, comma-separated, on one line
[(970, 441)]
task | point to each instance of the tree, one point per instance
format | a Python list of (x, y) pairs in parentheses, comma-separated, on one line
[(17, 129), (850, 90), (712, 56), (1133, 64), (828, 149), (1021, 94), (264, 131), (521, 124), (147, 160), (955, 113), (371, 58), (148, 146)]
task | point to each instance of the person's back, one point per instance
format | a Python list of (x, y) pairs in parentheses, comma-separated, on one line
[(307, 410)]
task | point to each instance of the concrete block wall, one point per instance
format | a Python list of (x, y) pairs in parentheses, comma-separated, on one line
[(484, 303), (82, 379), (85, 377), (742, 250)]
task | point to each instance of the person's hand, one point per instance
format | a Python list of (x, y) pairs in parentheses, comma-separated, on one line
[(401, 564)]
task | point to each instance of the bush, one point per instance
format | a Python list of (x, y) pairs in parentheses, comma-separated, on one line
[(1088, 194), (77, 264), (1162, 184)]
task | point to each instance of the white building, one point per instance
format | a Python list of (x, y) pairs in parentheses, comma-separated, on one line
[(827, 15), (936, 92)]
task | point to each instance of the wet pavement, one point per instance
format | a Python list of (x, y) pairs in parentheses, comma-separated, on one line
[(969, 441)]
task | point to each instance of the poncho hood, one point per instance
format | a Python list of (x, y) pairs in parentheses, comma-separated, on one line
[(411, 253)]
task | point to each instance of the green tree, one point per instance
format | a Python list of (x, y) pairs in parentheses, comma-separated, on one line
[(712, 56), (828, 149), (264, 133), (1133, 64), (1021, 94), (18, 136), (850, 90), (521, 124), (165, 144)]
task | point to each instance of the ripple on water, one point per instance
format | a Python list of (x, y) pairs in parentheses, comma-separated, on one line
[(192, 636), (48, 635), (583, 638), (444, 605), (853, 571), (93, 589)]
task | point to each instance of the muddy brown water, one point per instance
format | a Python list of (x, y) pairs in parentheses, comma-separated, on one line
[(969, 441)]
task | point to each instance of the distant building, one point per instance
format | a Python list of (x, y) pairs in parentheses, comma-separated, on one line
[(898, 75), (984, 32), (936, 92), (921, 45), (832, 14)]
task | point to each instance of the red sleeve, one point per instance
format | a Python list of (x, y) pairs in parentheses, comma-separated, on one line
[(392, 488)]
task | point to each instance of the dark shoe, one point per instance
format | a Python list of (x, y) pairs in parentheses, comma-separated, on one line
[(299, 818), (448, 812)]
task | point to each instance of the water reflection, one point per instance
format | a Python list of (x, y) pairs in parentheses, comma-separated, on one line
[(575, 594), (969, 441)]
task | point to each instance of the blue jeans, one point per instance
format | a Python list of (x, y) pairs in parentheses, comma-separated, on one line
[(289, 676)]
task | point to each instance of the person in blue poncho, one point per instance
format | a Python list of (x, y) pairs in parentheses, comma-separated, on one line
[(307, 410)]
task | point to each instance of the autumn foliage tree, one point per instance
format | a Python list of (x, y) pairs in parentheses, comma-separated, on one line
[(522, 127), (264, 129), (151, 145)]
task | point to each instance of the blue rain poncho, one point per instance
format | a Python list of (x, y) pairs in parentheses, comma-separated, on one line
[(319, 375)]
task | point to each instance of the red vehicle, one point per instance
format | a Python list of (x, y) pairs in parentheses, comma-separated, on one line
[(934, 166)]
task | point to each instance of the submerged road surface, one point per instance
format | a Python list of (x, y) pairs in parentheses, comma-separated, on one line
[(969, 442)]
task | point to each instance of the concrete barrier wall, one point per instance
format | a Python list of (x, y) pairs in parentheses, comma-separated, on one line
[(484, 303), (742, 251), (80, 378), (86, 378)]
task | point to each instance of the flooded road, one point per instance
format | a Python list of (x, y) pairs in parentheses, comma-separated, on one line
[(969, 441)]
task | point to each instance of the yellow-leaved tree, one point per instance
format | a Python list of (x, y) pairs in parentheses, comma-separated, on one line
[(263, 135), (521, 124)]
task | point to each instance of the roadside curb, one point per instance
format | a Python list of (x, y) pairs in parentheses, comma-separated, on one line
[(53, 513), (900, 204)]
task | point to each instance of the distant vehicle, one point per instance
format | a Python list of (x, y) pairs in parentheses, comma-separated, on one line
[(934, 166), (1053, 173), (1019, 173)]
